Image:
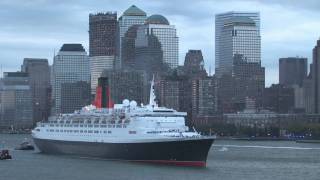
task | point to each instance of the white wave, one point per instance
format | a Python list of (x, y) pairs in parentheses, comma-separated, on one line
[(267, 147)]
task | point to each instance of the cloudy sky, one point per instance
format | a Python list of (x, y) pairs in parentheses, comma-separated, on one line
[(37, 28)]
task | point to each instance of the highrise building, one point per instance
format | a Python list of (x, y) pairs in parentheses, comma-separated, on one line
[(249, 79), (103, 32), (148, 55), (39, 79), (74, 96), (128, 48), (168, 92), (292, 70), (236, 33), (279, 98), (70, 65), (159, 27), (315, 74), (16, 107), (132, 16), (203, 96), (238, 58), (127, 85), (194, 64)]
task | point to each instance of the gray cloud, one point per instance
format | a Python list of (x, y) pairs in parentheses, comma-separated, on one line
[(36, 28)]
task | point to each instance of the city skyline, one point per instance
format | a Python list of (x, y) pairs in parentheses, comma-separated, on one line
[(287, 34)]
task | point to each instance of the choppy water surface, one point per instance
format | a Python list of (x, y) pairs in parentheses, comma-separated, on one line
[(227, 160)]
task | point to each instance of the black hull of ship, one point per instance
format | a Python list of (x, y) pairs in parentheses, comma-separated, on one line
[(188, 152)]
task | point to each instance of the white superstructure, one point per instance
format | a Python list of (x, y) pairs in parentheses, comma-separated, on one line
[(126, 122)]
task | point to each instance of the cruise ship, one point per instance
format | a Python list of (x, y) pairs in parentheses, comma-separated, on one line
[(126, 132)]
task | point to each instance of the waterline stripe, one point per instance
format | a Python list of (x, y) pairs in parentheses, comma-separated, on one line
[(268, 147)]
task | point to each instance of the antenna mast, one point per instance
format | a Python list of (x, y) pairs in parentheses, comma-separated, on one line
[(152, 98)]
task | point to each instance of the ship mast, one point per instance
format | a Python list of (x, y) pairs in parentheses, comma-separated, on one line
[(152, 98)]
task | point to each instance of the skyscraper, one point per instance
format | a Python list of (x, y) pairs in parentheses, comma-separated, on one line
[(238, 58), (249, 79), (103, 31), (194, 64), (292, 71), (74, 96), (236, 33), (126, 85), (158, 26), (70, 65), (39, 79), (148, 55), (16, 107), (315, 77), (132, 16), (128, 48)]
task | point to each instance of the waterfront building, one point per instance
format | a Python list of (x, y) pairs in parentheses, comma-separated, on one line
[(236, 33), (70, 65), (39, 79), (130, 17), (249, 79), (292, 70), (159, 27), (74, 96), (203, 97), (279, 98), (308, 95), (103, 33), (16, 105)]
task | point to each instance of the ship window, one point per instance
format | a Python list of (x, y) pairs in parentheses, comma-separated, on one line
[(96, 131), (109, 126), (57, 130), (103, 126), (81, 131), (51, 130), (105, 132), (81, 125), (90, 131), (61, 130), (76, 131), (89, 125), (132, 132), (75, 125), (118, 126), (85, 131), (96, 126), (109, 132)]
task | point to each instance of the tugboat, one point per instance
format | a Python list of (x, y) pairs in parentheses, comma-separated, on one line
[(4, 154), (124, 132), (25, 146)]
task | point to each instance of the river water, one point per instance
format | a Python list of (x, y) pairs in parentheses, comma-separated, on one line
[(226, 160)]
